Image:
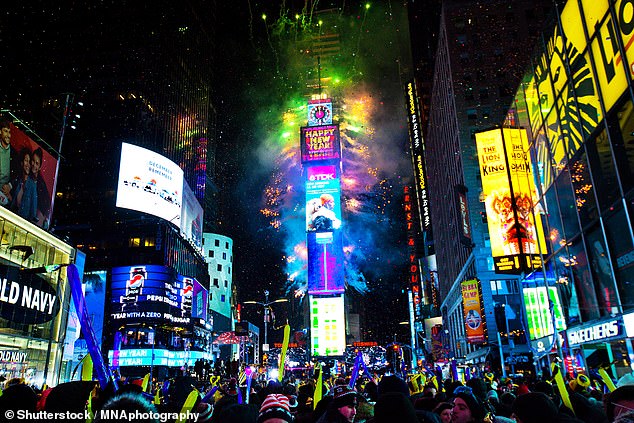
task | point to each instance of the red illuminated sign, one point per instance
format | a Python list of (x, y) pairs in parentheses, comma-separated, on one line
[(320, 143)]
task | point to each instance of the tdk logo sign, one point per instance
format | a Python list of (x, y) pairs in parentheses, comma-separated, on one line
[(322, 177)]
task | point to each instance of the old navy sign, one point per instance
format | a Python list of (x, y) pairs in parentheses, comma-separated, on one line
[(26, 298), (598, 332)]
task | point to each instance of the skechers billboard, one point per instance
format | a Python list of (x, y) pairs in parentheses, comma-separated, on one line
[(150, 183), (27, 175), (151, 292)]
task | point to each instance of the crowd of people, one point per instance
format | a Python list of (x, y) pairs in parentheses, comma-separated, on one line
[(387, 399)]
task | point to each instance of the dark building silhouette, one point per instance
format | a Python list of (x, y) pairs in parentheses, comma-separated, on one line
[(110, 73)]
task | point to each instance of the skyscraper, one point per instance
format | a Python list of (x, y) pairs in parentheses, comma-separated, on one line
[(477, 67), (112, 73)]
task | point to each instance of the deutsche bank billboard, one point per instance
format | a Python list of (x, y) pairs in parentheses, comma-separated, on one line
[(150, 183)]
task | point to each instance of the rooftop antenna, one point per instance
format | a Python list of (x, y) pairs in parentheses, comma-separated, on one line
[(319, 74)]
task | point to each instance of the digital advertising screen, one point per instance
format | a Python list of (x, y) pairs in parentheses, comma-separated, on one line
[(150, 183), (27, 170), (191, 217), (150, 292), (319, 112), (540, 319), (319, 143), (473, 318), (327, 326), (157, 357), (325, 262), (199, 301), (323, 199), (516, 236)]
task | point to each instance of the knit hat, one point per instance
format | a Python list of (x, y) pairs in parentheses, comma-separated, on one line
[(477, 409), (343, 395), (275, 406), (204, 411)]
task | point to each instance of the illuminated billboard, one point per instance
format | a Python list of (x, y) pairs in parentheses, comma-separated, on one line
[(191, 217), (474, 320), (320, 143), (417, 145), (325, 262), (199, 301), (157, 357), (327, 326), (150, 183), (540, 319), (323, 199), (509, 191), (27, 175), (150, 292), (319, 112)]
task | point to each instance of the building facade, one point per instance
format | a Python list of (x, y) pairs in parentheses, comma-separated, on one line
[(576, 103), (477, 66)]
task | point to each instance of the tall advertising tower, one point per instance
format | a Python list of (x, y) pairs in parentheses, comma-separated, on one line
[(321, 158)]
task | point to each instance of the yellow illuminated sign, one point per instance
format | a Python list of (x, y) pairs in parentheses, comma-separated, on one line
[(473, 319), (517, 238)]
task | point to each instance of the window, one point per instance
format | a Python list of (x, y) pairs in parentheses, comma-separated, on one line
[(211, 253), (134, 242), (219, 268), (222, 298), (228, 270), (226, 245), (217, 242), (216, 282), (226, 284), (149, 242), (224, 256)]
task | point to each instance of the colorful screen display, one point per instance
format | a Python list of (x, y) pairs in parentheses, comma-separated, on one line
[(199, 301), (150, 183), (162, 357), (327, 326), (505, 167), (151, 292), (325, 262), (540, 321), (319, 112), (320, 143), (323, 199), (27, 176), (473, 318)]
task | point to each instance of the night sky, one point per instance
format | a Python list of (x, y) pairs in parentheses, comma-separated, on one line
[(260, 171), (259, 89)]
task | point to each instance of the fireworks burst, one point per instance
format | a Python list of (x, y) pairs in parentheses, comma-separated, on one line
[(371, 135)]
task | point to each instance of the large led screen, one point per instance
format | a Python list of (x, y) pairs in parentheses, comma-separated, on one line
[(323, 199), (320, 143), (157, 357), (505, 166), (327, 326), (538, 315), (150, 292), (473, 317), (199, 301), (191, 217), (27, 175), (325, 262), (150, 183)]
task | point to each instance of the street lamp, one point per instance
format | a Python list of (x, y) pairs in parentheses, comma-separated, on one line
[(267, 308)]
